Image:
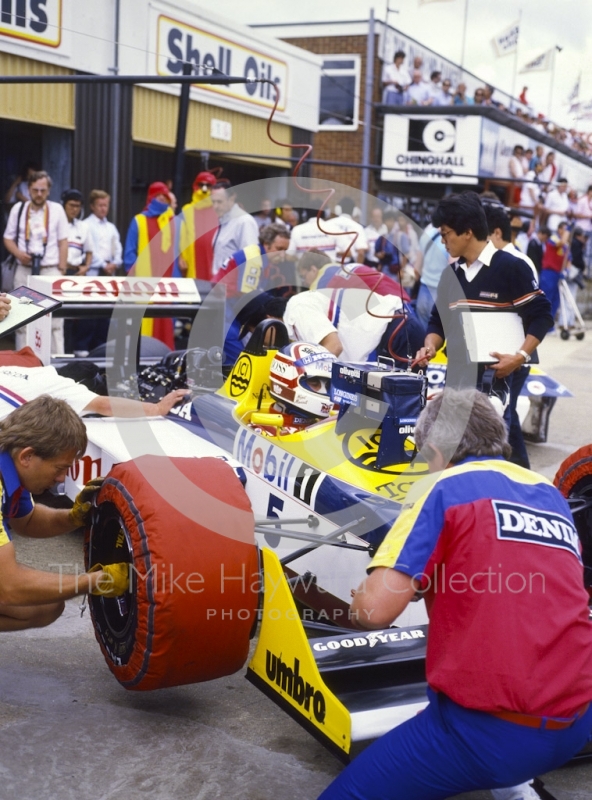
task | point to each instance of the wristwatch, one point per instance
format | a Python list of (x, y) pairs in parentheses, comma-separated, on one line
[(524, 355)]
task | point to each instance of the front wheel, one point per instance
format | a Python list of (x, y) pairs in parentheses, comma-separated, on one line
[(574, 481), (194, 577)]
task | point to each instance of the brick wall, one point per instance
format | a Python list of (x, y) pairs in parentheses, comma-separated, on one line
[(344, 145)]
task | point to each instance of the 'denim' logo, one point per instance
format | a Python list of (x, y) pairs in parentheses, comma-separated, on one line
[(241, 376)]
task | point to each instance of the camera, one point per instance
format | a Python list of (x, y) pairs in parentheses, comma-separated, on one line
[(36, 264)]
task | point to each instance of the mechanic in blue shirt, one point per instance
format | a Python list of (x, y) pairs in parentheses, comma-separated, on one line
[(38, 444)]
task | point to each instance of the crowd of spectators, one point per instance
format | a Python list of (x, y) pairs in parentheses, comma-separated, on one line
[(414, 87)]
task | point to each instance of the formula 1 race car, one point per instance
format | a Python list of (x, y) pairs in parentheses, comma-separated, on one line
[(236, 525)]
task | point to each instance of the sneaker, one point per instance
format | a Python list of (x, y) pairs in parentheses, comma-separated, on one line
[(522, 792)]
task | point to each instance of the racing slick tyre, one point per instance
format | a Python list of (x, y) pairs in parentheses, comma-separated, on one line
[(193, 594), (574, 481)]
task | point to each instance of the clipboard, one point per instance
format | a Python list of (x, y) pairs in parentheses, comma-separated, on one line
[(487, 331), (26, 305)]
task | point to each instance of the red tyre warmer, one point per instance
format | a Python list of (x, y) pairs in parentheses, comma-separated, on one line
[(194, 591), (575, 467)]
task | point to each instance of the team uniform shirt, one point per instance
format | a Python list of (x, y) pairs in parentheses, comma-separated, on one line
[(79, 243), (308, 236), (18, 385), (554, 255), (495, 547), (495, 282), (250, 269), (336, 303), (107, 246), (16, 500), (49, 225)]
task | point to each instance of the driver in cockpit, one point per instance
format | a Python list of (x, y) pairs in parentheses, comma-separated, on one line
[(300, 383)]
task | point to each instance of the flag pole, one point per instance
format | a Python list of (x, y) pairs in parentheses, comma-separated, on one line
[(554, 56), (516, 58), (464, 36)]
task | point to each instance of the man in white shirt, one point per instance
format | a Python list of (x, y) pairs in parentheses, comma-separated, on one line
[(417, 93), (237, 229), (40, 244), (583, 216), (309, 236), (373, 231), (557, 204), (437, 96), (346, 229), (395, 79), (107, 242), (18, 385)]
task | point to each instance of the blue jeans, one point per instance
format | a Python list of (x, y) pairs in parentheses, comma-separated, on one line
[(549, 283), (426, 298), (448, 749)]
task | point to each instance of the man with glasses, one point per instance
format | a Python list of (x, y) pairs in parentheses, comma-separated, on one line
[(481, 279), (37, 235)]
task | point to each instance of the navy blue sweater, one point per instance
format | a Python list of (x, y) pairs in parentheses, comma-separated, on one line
[(507, 284)]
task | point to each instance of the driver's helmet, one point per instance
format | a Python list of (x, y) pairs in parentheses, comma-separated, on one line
[(300, 378)]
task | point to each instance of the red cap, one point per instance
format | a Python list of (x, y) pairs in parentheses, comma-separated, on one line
[(157, 188), (204, 177)]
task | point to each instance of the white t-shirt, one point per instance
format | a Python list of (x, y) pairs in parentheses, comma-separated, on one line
[(399, 75), (558, 204), (307, 236), (36, 228), (310, 317), (584, 206), (18, 385), (529, 189), (344, 225)]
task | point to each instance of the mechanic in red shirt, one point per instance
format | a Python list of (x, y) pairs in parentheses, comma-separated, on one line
[(554, 261), (509, 659)]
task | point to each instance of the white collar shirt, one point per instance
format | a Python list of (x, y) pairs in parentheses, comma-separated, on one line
[(58, 230), (472, 270), (106, 243)]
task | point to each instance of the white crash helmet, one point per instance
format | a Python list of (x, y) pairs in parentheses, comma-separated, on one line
[(300, 378)]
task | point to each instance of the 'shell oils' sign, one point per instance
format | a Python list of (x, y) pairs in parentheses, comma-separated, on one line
[(179, 42), (38, 21)]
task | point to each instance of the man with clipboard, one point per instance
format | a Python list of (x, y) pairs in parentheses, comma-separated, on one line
[(490, 309)]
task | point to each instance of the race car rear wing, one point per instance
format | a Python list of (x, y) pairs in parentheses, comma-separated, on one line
[(346, 689)]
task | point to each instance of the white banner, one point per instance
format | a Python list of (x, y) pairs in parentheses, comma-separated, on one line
[(506, 42), (421, 149), (540, 63), (425, 2)]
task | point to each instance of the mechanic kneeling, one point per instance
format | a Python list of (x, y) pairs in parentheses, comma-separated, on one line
[(38, 444), (509, 658)]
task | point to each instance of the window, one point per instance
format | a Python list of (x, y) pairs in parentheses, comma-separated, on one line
[(340, 88)]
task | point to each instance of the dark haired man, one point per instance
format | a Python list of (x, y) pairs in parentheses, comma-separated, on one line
[(395, 80), (480, 278)]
